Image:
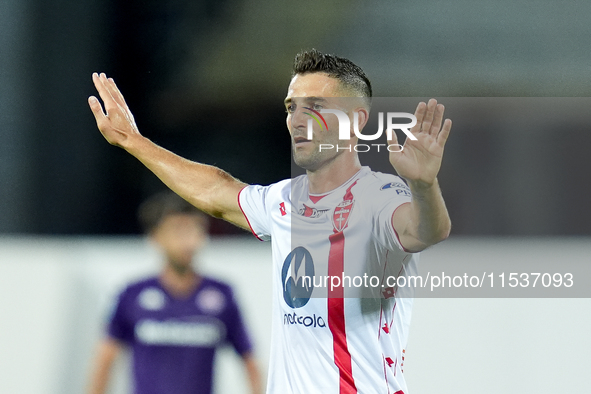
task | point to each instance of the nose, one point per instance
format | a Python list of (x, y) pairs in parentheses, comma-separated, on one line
[(299, 119)]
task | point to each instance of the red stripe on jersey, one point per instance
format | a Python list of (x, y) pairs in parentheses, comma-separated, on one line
[(336, 309), (381, 305), (336, 316), (385, 373), (246, 217)]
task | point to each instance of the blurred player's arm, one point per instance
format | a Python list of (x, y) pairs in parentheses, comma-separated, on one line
[(424, 221), (209, 188), (107, 351), (253, 373)]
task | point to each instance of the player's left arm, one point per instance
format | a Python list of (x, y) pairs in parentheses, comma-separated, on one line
[(424, 221)]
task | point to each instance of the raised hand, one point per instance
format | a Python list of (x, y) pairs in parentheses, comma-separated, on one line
[(420, 160), (116, 122)]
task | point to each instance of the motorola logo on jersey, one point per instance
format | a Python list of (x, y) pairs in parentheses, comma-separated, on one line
[(306, 321), (296, 266)]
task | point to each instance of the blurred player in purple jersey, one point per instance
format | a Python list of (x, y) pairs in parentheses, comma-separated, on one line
[(174, 322)]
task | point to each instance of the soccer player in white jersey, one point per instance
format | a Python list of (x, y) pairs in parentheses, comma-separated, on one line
[(339, 219)]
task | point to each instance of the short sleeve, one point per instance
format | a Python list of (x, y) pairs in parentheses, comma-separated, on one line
[(237, 334), (389, 198), (119, 326), (253, 203)]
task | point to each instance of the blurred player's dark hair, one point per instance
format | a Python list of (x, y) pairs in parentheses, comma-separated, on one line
[(157, 207), (348, 73)]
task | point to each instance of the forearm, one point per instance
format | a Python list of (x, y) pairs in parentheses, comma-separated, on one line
[(254, 377), (99, 380), (429, 219), (107, 352), (207, 187), (424, 221)]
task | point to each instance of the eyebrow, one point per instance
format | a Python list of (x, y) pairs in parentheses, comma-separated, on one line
[(308, 99)]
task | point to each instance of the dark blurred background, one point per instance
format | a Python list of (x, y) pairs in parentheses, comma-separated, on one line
[(206, 79)]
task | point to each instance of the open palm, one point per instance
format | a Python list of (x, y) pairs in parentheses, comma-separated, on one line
[(420, 160), (116, 122)]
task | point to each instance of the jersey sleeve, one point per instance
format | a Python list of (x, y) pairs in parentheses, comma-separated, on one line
[(237, 334), (389, 197), (119, 326), (253, 202)]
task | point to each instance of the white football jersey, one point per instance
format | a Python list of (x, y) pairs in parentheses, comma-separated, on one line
[(331, 338)]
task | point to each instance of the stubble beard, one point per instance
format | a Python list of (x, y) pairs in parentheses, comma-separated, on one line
[(307, 160), (314, 159)]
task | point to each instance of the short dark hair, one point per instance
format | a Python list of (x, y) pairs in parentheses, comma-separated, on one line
[(348, 73), (154, 209)]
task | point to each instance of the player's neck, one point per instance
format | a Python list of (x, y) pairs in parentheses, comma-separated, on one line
[(333, 174), (179, 284)]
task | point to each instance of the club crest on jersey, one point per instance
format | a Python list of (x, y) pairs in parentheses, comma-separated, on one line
[(340, 218), (210, 300)]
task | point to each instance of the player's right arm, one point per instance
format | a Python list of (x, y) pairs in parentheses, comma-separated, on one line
[(107, 352), (253, 374), (209, 188)]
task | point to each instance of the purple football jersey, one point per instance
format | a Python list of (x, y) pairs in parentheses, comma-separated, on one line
[(174, 340)]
